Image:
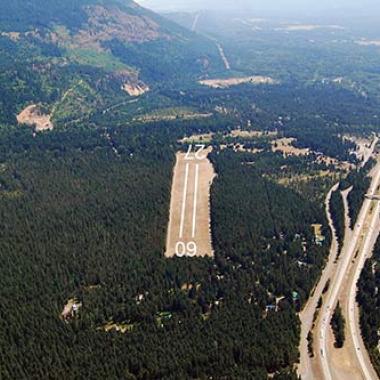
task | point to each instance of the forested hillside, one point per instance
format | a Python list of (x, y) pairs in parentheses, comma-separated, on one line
[(75, 57), (84, 218)]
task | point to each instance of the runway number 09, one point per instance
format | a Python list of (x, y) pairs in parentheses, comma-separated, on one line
[(182, 249)]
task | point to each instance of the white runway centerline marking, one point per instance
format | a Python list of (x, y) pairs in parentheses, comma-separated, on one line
[(195, 199), (183, 211)]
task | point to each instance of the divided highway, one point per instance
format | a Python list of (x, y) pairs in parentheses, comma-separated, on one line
[(353, 246), (352, 361)]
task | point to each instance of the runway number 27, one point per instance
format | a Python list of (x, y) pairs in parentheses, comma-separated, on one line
[(199, 148), (189, 249)]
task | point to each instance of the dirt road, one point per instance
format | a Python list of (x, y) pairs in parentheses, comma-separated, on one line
[(195, 22), (223, 56)]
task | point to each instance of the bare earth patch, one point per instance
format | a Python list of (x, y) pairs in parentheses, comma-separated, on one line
[(285, 146), (241, 148), (368, 42), (118, 327), (130, 82), (286, 181), (202, 138), (252, 134), (346, 166), (225, 83), (189, 224), (364, 146), (71, 309), (308, 27), (135, 89), (106, 24), (34, 117), (154, 117), (14, 36)]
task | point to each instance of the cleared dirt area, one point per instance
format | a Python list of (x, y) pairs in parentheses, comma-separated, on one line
[(14, 36), (364, 146), (286, 147), (241, 148), (288, 180), (189, 232), (33, 116), (236, 133), (71, 308), (369, 42), (229, 82), (118, 327), (309, 27), (106, 24), (135, 89), (202, 138), (252, 134), (154, 117)]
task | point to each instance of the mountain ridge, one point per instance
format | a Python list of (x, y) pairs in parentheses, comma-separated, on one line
[(65, 51)]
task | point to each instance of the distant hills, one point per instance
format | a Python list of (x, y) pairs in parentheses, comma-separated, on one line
[(59, 53)]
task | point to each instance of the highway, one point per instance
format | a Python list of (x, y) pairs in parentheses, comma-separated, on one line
[(352, 312), (307, 314), (339, 279)]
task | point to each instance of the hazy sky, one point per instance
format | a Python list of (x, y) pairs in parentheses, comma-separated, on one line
[(277, 5)]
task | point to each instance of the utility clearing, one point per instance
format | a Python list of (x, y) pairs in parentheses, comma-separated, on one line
[(189, 232)]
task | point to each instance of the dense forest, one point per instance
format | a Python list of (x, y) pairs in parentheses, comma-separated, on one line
[(338, 325), (84, 217), (337, 214), (369, 302), (84, 208), (360, 182)]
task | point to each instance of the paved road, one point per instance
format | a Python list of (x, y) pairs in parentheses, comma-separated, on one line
[(352, 312), (331, 297), (307, 314)]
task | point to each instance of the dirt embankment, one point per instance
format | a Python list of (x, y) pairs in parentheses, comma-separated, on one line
[(135, 89)]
